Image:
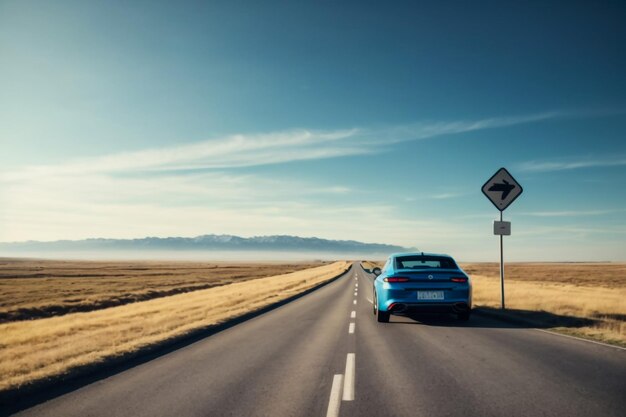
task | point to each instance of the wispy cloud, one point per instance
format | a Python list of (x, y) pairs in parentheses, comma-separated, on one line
[(571, 213), (227, 152), (447, 196), (559, 231), (425, 130), (477, 216), (268, 148), (177, 205), (562, 165), (196, 188)]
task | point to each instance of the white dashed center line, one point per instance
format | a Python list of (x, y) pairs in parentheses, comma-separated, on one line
[(348, 381), (335, 397), (343, 385)]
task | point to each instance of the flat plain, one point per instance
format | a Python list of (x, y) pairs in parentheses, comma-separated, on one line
[(40, 349), (34, 288), (579, 299)]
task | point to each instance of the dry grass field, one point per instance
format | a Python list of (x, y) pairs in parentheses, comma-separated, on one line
[(32, 289), (35, 350), (369, 265), (581, 299), (606, 275)]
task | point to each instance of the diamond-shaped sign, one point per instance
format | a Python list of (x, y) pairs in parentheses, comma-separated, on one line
[(502, 189)]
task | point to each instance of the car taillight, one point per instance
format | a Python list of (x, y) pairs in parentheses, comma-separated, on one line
[(395, 279), (458, 279)]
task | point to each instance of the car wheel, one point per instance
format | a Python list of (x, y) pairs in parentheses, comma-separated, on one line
[(464, 316), (381, 316)]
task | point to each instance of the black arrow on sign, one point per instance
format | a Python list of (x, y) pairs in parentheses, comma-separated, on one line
[(505, 188)]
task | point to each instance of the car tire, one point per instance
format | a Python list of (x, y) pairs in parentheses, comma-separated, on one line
[(464, 316), (381, 316)]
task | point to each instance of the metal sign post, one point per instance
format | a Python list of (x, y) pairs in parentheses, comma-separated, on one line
[(502, 189), (502, 267)]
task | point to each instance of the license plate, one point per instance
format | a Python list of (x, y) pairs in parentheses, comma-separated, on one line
[(430, 295)]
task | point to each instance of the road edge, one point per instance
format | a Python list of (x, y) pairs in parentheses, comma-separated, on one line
[(26, 396), (509, 318)]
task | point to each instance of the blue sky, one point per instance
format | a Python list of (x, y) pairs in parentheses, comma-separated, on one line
[(361, 120)]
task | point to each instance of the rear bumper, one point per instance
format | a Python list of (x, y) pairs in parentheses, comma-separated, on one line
[(409, 308)]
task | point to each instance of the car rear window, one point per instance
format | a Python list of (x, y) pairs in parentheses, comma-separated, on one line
[(424, 262)]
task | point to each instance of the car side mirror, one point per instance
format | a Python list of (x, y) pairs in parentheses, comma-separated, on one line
[(376, 271)]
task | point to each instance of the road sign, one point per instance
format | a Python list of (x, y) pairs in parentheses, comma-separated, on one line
[(502, 189), (501, 228)]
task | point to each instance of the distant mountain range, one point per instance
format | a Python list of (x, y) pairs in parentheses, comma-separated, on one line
[(208, 242)]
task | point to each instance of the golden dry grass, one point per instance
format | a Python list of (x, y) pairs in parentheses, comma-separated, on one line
[(369, 265), (582, 299), (603, 309), (606, 275), (32, 289), (39, 349)]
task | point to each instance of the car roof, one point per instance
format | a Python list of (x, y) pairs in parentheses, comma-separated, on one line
[(396, 255)]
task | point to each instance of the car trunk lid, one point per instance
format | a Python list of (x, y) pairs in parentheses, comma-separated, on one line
[(429, 275)]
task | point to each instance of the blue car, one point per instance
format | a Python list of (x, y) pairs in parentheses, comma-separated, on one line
[(421, 282)]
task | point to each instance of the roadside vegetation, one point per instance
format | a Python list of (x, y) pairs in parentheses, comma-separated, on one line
[(32, 289), (588, 274), (581, 299), (369, 265), (36, 350)]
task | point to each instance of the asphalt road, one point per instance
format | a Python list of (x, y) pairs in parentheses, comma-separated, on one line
[(306, 359)]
